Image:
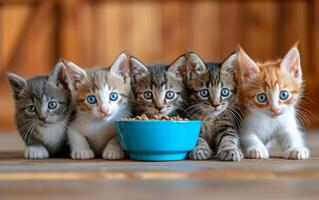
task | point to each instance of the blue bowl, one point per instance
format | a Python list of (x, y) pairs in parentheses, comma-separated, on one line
[(158, 140)]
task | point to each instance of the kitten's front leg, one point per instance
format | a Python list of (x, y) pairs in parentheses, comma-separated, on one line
[(202, 151), (113, 150), (36, 151), (80, 149), (254, 147), (292, 143), (228, 149)]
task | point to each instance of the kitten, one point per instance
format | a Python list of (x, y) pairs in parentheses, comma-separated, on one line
[(42, 112), (101, 96), (158, 89), (212, 96), (271, 91)]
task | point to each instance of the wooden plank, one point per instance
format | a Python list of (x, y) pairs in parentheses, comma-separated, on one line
[(204, 25), (259, 28), (295, 26), (230, 26), (109, 32), (175, 29)]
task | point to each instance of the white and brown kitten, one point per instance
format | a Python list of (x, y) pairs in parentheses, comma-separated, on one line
[(270, 92), (42, 112), (101, 96), (158, 89)]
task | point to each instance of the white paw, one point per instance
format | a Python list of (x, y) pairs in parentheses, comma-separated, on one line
[(82, 154), (200, 154), (113, 153), (230, 155), (299, 153), (36, 152), (257, 154)]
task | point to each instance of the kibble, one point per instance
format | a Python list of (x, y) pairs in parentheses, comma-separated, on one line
[(154, 117)]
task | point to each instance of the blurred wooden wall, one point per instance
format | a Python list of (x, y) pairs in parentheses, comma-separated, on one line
[(35, 33)]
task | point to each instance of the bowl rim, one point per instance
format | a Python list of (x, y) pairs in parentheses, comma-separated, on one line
[(165, 121)]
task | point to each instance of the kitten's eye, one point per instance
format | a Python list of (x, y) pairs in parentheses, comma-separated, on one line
[(91, 99), (261, 97), (31, 108), (284, 94), (113, 96), (224, 92), (148, 95), (203, 93), (52, 105), (170, 95)]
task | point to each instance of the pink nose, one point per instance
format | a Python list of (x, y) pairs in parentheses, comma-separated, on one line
[(104, 111), (274, 110)]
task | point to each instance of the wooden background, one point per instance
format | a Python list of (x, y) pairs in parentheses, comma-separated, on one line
[(35, 33)]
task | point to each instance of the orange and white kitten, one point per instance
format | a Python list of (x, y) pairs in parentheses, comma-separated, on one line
[(100, 97), (270, 92)]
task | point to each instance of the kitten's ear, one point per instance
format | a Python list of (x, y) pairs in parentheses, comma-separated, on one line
[(291, 63), (58, 76), (17, 83), (195, 64), (138, 69), (74, 74), (178, 67), (121, 67), (247, 67), (230, 63)]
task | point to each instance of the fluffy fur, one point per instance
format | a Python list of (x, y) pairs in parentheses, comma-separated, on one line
[(42, 112), (212, 94), (100, 97), (158, 89), (270, 92)]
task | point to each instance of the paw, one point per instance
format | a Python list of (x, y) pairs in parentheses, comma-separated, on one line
[(230, 155), (257, 154), (300, 153), (82, 154), (113, 153), (36, 152), (200, 154)]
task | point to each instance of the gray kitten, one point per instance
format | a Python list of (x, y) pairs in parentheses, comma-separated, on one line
[(42, 112), (212, 97), (157, 89)]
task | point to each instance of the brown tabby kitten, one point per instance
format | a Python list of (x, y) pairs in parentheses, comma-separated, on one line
[(158, 89), (212, 92), (101, 96)]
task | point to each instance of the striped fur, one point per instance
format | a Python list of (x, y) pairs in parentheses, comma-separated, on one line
[(42, 128), (157, 81), (205, 84)]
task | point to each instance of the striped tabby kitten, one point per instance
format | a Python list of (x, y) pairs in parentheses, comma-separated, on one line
[(211, 97), (42, 112), (158, 89), (271, 91), (100, 97)]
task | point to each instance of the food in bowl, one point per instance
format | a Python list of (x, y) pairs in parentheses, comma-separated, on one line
[(158, 139), (154, 117)]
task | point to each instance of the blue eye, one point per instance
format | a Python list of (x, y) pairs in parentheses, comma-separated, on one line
[(224, 92), (52, 105), (261, 97), (148, 95), (284, 94), (113, 96), (170, 95), (91, 99), (31, 108), (203, 93)]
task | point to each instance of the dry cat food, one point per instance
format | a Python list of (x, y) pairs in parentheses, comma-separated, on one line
[(154, 117)]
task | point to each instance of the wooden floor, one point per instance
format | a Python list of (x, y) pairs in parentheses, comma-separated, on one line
[(194, 180)]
